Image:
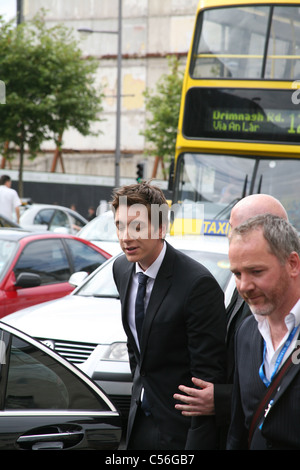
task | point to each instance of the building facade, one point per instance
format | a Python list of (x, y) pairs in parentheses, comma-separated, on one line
[(150, 31)]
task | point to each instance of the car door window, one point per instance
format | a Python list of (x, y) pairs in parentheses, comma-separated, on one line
[(84, 257), (7, 252), (43, 217), (37, 381), (46, 258), (60, 220), (77, 224)]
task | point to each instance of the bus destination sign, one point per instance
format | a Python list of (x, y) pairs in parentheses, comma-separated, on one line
[(261, 115)]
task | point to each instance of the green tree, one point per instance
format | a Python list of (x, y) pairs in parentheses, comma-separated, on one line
[(163, 105), (49, 88)]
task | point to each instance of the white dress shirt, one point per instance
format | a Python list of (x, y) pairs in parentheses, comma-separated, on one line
[(151, 272), (291, 320)]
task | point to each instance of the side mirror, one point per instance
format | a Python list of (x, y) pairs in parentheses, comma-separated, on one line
[(28, 280), (77, 278)]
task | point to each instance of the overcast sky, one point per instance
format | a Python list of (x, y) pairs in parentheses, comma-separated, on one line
[(8, 9)]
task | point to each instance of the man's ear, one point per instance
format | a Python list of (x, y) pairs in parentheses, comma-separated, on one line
[(294, 264)]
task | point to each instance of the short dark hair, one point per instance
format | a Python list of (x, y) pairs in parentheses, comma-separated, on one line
[(146, 194), (4, 179), (281, 236)]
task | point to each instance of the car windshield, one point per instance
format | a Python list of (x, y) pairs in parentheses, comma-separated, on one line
[(102, 228), (7, 250), (102, 284)]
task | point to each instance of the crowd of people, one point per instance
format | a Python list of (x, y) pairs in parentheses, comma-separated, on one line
[(203, 377)]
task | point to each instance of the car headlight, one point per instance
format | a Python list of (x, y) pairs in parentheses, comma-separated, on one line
[(116, 352)]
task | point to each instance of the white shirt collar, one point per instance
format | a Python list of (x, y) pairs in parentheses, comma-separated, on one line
[(154, 268), (291, 320)]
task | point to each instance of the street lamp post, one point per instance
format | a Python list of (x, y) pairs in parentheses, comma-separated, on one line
[(19, 11), (118, 108)]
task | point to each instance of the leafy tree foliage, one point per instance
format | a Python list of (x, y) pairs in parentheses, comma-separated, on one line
[(49, 88), (163, 106)]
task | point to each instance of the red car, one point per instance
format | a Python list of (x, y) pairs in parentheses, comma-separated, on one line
[(36, 267)]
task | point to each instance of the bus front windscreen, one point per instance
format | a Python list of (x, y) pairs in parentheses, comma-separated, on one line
[(219, 181)]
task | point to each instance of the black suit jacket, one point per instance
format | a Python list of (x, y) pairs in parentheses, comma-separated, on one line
[(183, 336), (223, 392), (280, 429), (236, 313)]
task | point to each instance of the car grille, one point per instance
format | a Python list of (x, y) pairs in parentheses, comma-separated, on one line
[(70, 350)]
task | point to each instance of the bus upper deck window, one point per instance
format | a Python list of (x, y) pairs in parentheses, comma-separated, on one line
[(250, 42)]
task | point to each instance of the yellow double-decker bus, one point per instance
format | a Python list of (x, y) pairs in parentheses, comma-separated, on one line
[(239, 124)]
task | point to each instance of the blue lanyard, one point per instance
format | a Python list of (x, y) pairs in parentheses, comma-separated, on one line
[(279, 358)]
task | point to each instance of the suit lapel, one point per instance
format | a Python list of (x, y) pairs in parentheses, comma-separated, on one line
[(161, 286), (126, 277), (286, 380)]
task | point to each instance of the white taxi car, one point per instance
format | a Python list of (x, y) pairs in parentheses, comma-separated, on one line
[(86, 328)]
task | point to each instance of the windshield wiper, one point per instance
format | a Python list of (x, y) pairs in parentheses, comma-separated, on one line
[(106, 296), (234, 201)]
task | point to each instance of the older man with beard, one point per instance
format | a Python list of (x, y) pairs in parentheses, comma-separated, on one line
[(264, 257), (215, 399)]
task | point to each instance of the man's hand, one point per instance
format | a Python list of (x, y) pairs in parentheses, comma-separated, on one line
[(197, 401)]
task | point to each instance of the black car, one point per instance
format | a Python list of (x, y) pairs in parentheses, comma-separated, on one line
[(47, 403)]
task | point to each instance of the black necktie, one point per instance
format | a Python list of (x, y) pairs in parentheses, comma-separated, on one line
[(139, 318), (139, 303)]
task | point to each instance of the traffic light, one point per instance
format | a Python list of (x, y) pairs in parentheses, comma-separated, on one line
[(139, 172)]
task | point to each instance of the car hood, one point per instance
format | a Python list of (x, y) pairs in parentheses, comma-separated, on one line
[(72, 318)]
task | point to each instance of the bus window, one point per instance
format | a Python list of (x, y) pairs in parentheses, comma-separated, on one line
[(239, 123), (217, 181), (280, 178), (282, 60), (247, 42)]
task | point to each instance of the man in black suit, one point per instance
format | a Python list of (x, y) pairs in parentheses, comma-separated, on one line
[(264, 257), (183, 330), (215, 399)]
